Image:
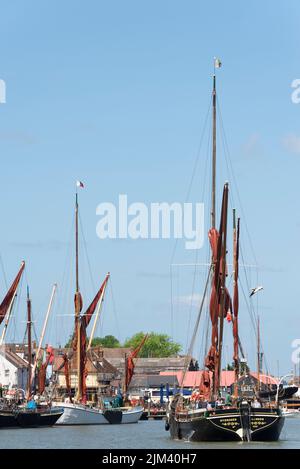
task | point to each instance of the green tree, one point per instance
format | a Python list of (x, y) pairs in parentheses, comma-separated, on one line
[(109, 341), (156, 346)]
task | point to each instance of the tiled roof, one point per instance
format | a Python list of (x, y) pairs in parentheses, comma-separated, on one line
[(193, 378), (13, 358)]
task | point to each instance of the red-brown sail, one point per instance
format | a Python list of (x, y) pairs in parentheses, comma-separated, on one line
[(84, 322), (129, 365), (10, 294), (218, 307), (43, 369), (204, 387)]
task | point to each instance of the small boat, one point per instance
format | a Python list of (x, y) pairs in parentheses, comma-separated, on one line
[(289, 413), (78, 414), (20, 417)]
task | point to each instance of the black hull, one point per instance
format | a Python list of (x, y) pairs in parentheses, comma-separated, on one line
[(28, 419), (229, 425)]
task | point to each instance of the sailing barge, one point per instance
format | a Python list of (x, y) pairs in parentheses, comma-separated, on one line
[(76, 410), (209, 419)]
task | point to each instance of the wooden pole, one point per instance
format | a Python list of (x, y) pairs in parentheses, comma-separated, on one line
[(214, 155), (77, 305), (43, 332), (29, 368), (258, 353)]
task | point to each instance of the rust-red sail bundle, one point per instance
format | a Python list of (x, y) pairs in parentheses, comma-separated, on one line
[(10, 294), (204, 387), (129, 365), (83, 324), (43, 369), (219, 306)]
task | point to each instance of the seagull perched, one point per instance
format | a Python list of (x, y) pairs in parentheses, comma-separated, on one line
[(255, 290)]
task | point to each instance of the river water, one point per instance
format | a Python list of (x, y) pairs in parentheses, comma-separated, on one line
[(146, 435)]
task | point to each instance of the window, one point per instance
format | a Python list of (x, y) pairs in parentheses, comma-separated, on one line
[(6, 373)]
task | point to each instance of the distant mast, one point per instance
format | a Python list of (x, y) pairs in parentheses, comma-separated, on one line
[(29, 322), (217, 64), (78, 299)]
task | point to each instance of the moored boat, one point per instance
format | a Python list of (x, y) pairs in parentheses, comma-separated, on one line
[(77, 410), (27, 418), (208, 418), (77, 414)]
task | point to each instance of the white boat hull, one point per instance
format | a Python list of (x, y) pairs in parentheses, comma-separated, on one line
[(81, 415)]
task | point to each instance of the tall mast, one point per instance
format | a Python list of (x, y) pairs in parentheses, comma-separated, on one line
[(77, 304), (258, 352), (76, 242), (214, 154), (223, 280), (29, 343)]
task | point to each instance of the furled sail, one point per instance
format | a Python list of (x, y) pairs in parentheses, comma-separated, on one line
[(204, 387), (83, 324), (43, 369), (10, 294), (129, 366), (217, 307)]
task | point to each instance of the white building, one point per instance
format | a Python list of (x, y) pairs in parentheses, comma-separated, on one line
[(13, 370)]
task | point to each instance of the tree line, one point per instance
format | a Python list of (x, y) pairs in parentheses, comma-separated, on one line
[(156, 346)]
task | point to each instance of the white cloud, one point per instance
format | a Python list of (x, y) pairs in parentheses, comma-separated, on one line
[(189, 300), (292, 143)]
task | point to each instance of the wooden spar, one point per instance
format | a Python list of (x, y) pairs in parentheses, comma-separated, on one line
[(43, 332), (235, 389), (223, 280), (99, 308), (77, 244), (7, 318), (214, 155), (29, 368), (258, 353), (77, 306)]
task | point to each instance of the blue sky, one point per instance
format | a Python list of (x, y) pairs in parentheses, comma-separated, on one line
[(116, 94)]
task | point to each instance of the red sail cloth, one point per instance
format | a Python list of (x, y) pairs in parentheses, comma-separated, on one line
[(130, 363), (83, 324), (216, 242), (43, 369), (9, 296), (204, 387)]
